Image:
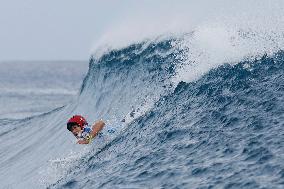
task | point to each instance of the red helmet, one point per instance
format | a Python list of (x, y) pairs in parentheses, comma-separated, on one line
[(79, 120)]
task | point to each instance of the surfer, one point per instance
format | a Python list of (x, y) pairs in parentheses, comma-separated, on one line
[(79, 127)]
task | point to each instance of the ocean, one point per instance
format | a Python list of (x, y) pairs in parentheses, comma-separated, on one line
[(202, 109), (29, 88)]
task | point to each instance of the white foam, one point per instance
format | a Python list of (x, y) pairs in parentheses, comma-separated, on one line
[(223, 31), (212, 45)]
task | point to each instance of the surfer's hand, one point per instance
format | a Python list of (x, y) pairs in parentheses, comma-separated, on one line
[(82, 142)]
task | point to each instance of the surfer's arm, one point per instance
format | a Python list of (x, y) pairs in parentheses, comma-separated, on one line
[(97, 127)]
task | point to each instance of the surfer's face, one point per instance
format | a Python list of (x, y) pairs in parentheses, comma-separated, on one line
[(76, 130)]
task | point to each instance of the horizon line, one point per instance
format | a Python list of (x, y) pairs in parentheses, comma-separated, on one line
[(43, 60)]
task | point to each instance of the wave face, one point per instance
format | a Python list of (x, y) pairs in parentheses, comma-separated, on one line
[(223, 130), (124, 84)]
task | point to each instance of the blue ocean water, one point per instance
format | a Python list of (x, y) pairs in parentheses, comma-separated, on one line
[(29, 88), (222, 130)]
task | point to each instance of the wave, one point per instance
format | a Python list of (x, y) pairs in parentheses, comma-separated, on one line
[(222, 127)]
